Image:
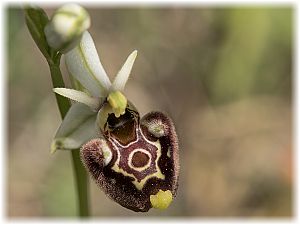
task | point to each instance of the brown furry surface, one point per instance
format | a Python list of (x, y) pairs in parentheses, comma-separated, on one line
[(119, 187)]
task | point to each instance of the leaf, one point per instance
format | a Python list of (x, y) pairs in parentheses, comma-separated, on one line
[(36, 20), (77, 128)]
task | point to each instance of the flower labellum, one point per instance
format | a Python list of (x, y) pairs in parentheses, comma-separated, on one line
[(135, 165), (134, 160)]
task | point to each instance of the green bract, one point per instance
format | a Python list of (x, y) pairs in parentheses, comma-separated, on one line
[(36, 20)]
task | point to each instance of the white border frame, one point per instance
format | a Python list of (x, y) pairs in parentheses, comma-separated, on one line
[(296, 124)]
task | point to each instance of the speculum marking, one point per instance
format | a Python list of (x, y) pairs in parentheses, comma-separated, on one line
[(139, 159)]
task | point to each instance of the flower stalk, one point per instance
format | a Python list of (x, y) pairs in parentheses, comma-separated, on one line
[(81, 179), (36, 20), (57, 81), (80, 175)]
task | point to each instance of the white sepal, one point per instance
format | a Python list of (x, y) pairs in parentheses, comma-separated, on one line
[(79, 96), (123, 75), (84, 64), (77, 128)]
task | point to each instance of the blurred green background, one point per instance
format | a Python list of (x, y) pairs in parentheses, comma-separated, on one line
[(224, 75)]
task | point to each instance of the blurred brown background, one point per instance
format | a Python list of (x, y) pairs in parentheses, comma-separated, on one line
[(224, 74)]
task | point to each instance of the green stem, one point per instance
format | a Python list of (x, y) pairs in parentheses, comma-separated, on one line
[(82, 184), (80, 175)]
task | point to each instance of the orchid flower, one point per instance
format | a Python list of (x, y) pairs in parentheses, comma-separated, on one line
[(134, 160)]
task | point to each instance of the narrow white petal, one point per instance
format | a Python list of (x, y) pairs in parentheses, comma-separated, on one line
[(79, 96), (123, 74), (84, 64)]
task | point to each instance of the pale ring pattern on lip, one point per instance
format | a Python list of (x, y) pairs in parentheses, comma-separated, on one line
[(139, 168)]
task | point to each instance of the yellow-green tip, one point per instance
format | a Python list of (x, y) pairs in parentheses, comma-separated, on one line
[(118, 102), (161, 200), (54, 146)]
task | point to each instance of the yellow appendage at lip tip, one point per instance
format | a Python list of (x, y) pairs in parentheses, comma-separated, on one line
[(118, 102), (161, 200)]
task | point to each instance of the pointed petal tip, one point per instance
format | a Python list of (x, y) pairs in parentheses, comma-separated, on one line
[(78, 96), (123, 75), (130, 61), (133, 55), (59, 90), (135, 52), (53, 147)]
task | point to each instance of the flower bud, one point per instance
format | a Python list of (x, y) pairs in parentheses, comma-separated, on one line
[(66, 27)]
